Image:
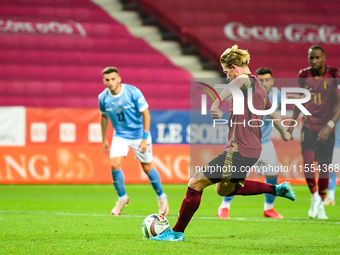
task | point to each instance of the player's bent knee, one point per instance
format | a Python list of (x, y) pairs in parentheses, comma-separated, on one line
[(115, 166), (193, 182), (116, 163), (199, 175), (147, 167), (199, 182), (225, 190)]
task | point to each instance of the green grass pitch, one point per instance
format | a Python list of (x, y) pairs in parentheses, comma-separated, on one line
[(74, 219)]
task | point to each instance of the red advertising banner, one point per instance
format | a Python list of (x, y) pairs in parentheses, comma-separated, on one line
[(89, 164), (63, 145), (57, 164)]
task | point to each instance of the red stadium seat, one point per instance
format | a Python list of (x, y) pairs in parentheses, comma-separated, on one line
[(298, 25), (53, 52)]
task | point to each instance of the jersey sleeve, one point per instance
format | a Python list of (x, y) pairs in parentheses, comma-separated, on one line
[(101, 105), (140, 101)]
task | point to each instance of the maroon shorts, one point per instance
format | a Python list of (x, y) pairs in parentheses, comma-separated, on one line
[(228, 165)]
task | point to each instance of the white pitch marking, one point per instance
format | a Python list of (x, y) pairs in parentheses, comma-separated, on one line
[(172, 217)]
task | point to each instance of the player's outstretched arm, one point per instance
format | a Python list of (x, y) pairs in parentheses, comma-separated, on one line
[(286, 136), (103, 124)]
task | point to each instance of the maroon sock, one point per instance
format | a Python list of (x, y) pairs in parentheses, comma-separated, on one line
[(308, 159), (323, 182), (189, 206), (253, 188)]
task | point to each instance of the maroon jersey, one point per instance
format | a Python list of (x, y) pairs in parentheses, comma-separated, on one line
[(325, 89), (244, 138)]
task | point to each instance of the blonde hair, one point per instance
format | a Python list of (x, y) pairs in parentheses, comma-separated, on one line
[(235, 56)]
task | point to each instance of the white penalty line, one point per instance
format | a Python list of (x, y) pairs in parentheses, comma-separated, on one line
[(175, 217)]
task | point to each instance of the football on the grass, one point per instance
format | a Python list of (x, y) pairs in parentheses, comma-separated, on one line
[(154, 224)]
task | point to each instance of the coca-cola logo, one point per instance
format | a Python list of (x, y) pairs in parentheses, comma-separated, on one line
[(296, 33)]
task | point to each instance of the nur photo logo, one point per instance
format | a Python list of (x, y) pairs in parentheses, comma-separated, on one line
[(239, 103), (204, 97)]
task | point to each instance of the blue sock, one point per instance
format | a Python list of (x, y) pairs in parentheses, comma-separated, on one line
[(155, 181), (118, 182), (269, 198), (228, 199), (332, 180)]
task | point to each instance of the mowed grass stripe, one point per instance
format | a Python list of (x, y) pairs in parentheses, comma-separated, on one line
[(255, 219)]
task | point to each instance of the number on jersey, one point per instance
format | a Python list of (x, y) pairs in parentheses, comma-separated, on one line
[(120, 116)]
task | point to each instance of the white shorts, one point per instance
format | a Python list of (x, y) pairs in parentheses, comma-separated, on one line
[(120, 147), (268, 163)]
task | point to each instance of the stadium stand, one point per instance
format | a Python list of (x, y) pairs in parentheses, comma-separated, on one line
[(277, 33), (53, 52)]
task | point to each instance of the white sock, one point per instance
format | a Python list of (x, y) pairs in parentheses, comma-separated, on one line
[(268, 206), (225, 205), (330, 194), (161, 197), (315, 195), (123, 198)]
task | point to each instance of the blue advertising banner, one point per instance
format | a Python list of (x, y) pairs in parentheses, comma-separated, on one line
[(186, 127)]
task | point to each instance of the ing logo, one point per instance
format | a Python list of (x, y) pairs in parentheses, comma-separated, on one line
[(204, 97)]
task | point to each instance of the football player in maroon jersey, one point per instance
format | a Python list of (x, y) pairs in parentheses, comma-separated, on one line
[(242, 151), (317, 133)]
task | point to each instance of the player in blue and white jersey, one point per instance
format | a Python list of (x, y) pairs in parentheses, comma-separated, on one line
[(334, 169), (268, 155), (128, 112)]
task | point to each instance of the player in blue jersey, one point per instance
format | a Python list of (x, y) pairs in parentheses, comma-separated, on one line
[(268, 155), (334, 169), (128, 112)]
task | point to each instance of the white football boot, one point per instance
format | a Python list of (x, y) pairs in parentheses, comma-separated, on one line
[(321, 212), (314, 208)]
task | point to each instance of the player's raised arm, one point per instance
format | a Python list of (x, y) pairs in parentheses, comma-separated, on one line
[(276, 120)]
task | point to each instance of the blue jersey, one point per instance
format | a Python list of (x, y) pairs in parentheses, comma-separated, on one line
[(124, 111), (267, 127), (337, 135)]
